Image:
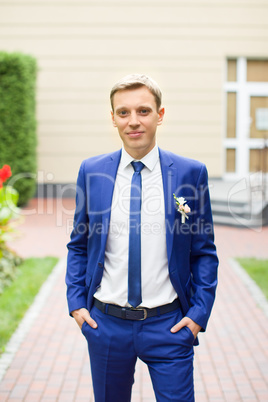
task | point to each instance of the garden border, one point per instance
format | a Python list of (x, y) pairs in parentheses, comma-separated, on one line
[(29, 317), (251, 285)]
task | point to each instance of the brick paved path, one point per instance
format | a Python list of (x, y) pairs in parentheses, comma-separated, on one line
[(231, 363)]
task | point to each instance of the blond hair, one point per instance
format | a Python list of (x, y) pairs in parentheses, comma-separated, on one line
[(134, 81)]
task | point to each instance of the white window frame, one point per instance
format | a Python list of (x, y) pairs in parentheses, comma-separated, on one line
[(242, 143)]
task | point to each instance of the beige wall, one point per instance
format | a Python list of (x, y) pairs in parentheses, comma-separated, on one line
[(84, 47)]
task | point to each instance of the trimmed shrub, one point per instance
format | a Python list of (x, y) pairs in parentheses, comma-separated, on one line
[(17, 121)]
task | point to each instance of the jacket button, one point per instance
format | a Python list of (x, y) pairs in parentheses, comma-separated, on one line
[(100, 264)]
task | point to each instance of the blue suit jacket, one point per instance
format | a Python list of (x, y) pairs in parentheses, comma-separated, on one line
[(191, 252)]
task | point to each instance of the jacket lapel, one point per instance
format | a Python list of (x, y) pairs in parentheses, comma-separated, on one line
[(107, 188), (169, 176)]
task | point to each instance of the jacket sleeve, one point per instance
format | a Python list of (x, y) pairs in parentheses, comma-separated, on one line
[(203, 257), (77, 249)]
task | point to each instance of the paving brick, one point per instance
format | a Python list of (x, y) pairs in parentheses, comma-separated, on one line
[(66, 397), (33, 397), (4, 396), (19, 391), (7, 385)]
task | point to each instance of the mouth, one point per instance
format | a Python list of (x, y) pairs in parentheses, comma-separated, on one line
[(135, 134)]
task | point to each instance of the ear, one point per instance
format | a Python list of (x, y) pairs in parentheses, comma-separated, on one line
[(112, 114), (160, 116)]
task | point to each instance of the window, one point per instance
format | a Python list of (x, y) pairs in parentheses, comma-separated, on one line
[(246, 136)]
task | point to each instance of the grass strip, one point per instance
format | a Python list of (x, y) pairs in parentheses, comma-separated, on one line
[(17, 298), (257, 270)]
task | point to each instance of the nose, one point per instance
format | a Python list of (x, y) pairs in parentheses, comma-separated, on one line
[(133, 120)]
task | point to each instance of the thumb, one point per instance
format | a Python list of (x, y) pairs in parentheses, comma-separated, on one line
[(182, 323), (90, 320)]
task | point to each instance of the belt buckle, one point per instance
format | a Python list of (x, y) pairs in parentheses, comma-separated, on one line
[(140, 309)]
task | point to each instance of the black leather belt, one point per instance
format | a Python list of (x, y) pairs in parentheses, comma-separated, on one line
[(136, 314)]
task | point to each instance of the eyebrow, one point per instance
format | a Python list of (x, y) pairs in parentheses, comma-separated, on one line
[(118, 109)]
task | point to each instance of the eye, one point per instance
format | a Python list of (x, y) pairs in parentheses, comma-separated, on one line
[(144, 111), (122, 113)]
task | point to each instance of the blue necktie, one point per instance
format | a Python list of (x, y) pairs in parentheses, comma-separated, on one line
[(134, 254)]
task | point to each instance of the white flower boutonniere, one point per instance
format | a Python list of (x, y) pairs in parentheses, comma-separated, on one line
[(182, 207)]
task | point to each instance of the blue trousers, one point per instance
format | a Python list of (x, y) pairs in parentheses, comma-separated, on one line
[(116, 344)]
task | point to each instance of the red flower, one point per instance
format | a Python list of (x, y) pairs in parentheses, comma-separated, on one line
[(5, 173)]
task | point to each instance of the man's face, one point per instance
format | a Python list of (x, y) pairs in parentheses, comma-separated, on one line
[(136, 117)]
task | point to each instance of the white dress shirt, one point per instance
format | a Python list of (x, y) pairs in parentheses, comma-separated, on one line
[(156, 285)]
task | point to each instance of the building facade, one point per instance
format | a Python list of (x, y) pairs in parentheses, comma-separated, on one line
[(210, 57)]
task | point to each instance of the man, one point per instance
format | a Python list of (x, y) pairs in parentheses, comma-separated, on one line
[(142, 268)]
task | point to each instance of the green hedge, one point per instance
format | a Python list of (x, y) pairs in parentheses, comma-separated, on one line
[(17, 121)]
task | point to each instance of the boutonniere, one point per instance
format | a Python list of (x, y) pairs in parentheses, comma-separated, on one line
[(182, 207)]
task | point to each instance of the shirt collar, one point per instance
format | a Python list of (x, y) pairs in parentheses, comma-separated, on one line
[(149, 160)]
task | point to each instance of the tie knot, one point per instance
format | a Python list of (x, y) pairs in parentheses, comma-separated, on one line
[(137, 166)]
